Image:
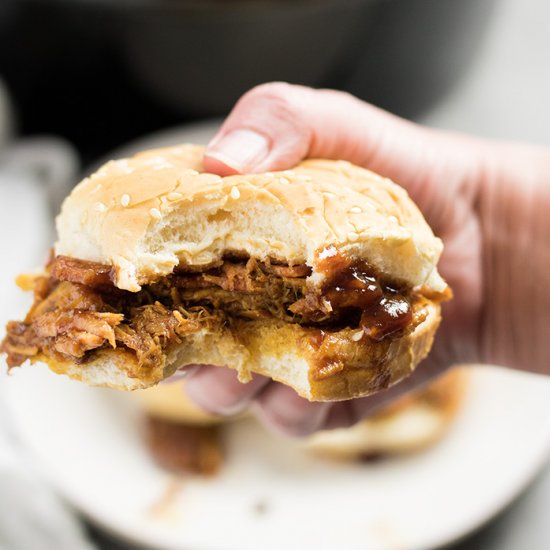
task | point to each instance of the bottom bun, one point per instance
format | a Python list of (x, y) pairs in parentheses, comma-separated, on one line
[(318, 365)]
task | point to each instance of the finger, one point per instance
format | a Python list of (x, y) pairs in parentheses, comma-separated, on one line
[(281, 409), (275, 125), (218, 390)]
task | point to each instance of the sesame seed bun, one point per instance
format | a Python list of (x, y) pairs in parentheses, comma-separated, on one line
[(150, 213), (406, 425)]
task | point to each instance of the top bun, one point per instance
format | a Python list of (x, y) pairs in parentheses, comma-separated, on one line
[(150, 213)]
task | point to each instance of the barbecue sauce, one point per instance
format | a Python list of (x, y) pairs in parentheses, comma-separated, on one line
[(352, 285)]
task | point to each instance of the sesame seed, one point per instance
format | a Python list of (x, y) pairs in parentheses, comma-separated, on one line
[(157, 163), (284, 181), (353, 236), (99, 207), (356, 336), (155, 213), (235, 193), (355, 210), (125, 199), (211, 196), (174, 196), (124, 166), (277, 244), (393, 219), (193, 172)]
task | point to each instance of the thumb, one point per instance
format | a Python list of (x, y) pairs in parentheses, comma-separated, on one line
[(275, 125)]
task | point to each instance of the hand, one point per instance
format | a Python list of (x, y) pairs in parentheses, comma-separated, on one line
[(273, 127)]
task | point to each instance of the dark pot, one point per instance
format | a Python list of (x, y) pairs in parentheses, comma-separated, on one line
[(203, 56), (400, 54), (103, 71)]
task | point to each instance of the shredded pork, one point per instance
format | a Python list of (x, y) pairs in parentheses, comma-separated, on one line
[(77, 309)]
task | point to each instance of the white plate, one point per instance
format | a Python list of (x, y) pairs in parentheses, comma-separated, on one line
[(270, 494)]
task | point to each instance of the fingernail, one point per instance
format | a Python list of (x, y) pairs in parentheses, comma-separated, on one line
[(240, 150)]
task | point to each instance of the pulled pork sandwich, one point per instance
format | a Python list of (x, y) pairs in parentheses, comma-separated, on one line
[(322, 277)]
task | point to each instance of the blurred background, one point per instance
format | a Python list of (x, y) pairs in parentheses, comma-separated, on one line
[(100, 72), (82, 78)]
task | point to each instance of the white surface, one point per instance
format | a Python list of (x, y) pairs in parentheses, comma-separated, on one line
[(33, 517), (88, 442)]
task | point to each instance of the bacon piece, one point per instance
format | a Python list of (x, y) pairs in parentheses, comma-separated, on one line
[(91, 274)]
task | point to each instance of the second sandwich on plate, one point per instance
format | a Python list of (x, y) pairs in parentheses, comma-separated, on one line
[(184, 439)]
